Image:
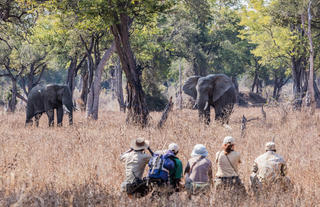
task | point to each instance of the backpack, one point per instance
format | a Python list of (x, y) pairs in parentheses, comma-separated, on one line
[(157, 170)]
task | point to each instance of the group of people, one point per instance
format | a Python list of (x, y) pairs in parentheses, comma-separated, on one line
[(165, 173)]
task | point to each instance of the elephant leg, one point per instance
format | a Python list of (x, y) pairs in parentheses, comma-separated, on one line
[(29, 121), (29, 115), (71, 118), (204, 115), (59, 116), (50, 114), (37, 117)]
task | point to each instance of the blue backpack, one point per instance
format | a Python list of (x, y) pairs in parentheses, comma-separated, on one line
[(157, 169)]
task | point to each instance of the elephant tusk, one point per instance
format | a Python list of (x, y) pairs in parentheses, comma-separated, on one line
[(206, 106), (195, 106), (66, 109)]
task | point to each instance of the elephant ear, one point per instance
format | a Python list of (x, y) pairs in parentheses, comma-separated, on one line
[(222, 83), (189, 86)]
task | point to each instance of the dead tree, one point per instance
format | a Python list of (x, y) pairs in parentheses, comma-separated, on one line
[(243, 125), (165, 113), (264, 114)]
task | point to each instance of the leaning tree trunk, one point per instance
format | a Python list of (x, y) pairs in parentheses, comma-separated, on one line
[(93, 96), (136, 103)]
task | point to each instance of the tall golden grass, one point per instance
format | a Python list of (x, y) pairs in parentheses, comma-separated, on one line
[(79, 165)]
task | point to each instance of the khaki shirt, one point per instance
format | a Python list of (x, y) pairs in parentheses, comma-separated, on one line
[(201, 171), (269, 166), (224, 167), (135, 162)]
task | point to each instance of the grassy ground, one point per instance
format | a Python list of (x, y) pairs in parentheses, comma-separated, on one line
[(79, 165)]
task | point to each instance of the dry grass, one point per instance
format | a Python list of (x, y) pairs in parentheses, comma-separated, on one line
[(79, 165)]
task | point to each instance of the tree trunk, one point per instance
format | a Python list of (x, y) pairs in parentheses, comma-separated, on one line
[(297, 75), (311, 80), (13, 99), (72, 74), (136, 103), (84, 90), (93, 96), (119, 89)]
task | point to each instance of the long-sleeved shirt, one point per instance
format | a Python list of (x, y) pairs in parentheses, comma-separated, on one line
[(269, 166), (135, 163)]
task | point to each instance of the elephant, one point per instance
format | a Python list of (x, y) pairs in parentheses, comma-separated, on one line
[(216, 90), (46, 98)]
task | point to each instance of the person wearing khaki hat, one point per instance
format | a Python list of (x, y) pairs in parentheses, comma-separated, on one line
[(135, 161), (228, 160), (269, 170)]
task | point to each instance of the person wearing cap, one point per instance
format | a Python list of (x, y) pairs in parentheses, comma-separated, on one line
[(269, 170), (135, 161), (228, 160), (198, 172), (173, 166), (175, 173)]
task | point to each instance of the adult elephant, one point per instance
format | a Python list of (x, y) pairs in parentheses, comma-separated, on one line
[(216, 90), (46, 98)]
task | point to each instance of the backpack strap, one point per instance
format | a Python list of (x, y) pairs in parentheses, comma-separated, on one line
[(201, 157), (232, 166)]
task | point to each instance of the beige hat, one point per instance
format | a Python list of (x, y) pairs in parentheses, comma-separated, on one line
[(139, 144), (270, 146), (229, 139)]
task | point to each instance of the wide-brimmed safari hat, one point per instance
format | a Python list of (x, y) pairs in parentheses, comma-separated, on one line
[(199, 149), (139, 144), (229, 139), (270, 146)]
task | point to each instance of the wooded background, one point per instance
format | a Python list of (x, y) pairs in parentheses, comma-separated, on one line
[(136, 48)]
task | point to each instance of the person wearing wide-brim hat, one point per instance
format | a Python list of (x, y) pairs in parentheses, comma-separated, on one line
[(198, 172), (135, 161), (269, 171)]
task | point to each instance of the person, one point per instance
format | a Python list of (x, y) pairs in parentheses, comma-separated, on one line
[(176, 172), (198, 172), (269, 172), (165, 171), (227, 178), (135, 161)]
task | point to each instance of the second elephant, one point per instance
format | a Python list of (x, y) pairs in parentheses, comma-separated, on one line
[(216, 90), (43, 98)]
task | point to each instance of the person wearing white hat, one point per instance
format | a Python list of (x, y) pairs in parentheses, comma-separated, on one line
[(165, 171), (228, 160), (198, 172), (135, 161), (269, 169)]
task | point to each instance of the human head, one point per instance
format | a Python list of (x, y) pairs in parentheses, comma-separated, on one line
[(174, 148), (199, 150), (270, 146), (139, 144), (228, 144)]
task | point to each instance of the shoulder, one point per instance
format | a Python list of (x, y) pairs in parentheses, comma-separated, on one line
[(208, 161)]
